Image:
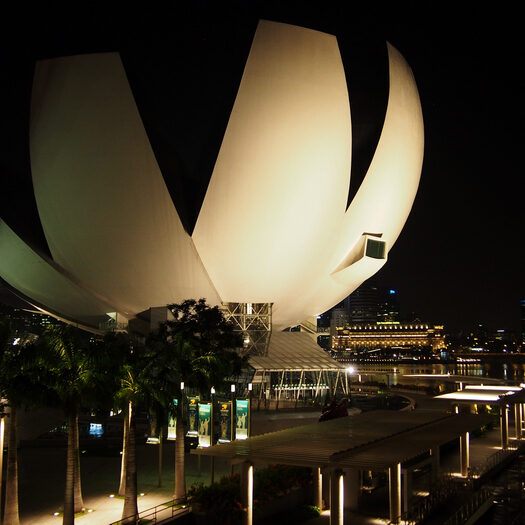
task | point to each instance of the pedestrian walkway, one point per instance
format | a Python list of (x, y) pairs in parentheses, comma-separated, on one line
[(42, 473)]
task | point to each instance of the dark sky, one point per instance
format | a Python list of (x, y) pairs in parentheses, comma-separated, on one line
[(459, 259)]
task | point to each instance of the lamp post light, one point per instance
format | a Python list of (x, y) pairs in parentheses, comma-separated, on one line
[(349, 370), (233, 411), (250, 391), (212, 393)]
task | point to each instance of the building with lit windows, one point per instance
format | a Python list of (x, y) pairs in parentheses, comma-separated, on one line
[(388, 338)]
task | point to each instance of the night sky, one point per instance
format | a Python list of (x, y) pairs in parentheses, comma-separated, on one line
[(459, 259)]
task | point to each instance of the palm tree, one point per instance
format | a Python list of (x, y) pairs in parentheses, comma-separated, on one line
[(82, 374), (120, 347), (132, 392), (198, 348), (20, 385)]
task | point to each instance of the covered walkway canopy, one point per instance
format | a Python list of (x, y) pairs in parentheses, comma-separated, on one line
[(376, 440), (503, 396), (383, 437)]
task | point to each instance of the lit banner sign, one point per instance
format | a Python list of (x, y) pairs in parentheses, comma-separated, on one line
[(242, 419), (225, 422), (193, 416), (172, 420), (205, 424)]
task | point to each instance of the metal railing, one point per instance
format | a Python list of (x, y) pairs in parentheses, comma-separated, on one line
[(494, 460), (158, 514), (470, 508), (445, 488)]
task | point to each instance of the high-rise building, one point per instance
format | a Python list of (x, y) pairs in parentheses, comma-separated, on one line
[(522, 302), (371, 303)]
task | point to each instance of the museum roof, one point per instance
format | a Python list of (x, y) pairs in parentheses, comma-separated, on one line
[(294, 351)]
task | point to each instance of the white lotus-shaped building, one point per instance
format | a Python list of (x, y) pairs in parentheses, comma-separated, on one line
[(274, 225)]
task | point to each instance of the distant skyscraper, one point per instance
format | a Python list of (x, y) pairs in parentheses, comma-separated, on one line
[(388, 304), (371, 303), (362, 304), (522, 322)]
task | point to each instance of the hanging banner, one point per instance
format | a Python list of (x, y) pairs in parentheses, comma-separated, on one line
[(225, 422), (193, 416), (242, 419), (205, 424), (172, 420)]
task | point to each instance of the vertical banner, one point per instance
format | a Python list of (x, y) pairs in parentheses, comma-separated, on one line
[(193, 416), (242, 419), (225, 422), (205, 424), (172, 420)]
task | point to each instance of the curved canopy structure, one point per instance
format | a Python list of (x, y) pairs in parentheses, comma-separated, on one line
[(273, 226)]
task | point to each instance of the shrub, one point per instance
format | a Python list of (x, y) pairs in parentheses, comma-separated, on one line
[(222, 501)]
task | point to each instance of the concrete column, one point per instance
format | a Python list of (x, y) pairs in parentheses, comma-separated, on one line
[(407, 488), (318, 488), (352, 488), (504, 426), (247, 492), (337, 497), (464, 453), (434, 453), (517, 420), (394, 492)]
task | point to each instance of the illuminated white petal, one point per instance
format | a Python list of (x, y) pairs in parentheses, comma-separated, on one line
[(105, 209), (278, 192), (37, 279)]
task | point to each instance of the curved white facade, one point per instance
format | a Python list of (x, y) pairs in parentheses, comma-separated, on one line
[(273, 226)]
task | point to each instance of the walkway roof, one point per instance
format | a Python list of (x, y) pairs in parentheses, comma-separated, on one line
[(453, 378), (373, 440), (487, 394), (294, 351)]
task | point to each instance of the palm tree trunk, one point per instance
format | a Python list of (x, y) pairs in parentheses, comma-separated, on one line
[(11, 516), (124, 459), (78, 501), (2, 431), (69, 496), (180, 472), (130, 511)]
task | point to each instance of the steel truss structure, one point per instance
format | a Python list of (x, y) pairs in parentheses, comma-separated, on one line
[(254, 320)]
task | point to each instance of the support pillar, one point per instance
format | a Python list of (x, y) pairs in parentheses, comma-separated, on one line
[(352, 488), (464, 453), (504, 426), (435, 455), (336, 497), (517, 420), (394, 492), (407, 488), (247, 492), (318, 488)]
